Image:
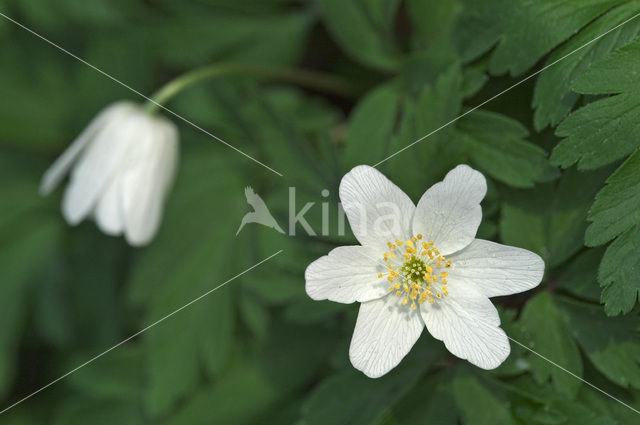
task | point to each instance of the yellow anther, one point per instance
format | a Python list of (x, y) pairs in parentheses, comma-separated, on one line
[(406, 256), (398, 285), (438, 295), (405, 287), (414, 239), (392, 255), (398, 293), (390, 279), (438, 265), (405, 301), (429, 269), (425, 245), (379, 275), (444, 281), (390, 288), (398, 242), (423, 253), (413, 305), (431, 300), (410, 243), (444, 274), (419, 235)]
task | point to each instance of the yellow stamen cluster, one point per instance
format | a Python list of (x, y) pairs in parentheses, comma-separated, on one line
[(420, 276)]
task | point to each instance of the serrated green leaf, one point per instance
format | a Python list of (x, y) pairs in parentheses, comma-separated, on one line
[(604, 131), (518, 50), (548, 334), (553, 97), (617, 206), (497, 145), (619, 273)]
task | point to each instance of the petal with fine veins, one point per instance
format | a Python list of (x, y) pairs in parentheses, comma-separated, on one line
[(378, 211), (449, 212), (347, 274), (469, 326), (385, 332), (496, 269)]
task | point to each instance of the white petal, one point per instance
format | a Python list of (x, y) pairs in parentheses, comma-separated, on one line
[(108, 213), (56, 172), (468, 324), (144, 186), (347, 274), (385, 332), (449, 212), (100, 163), (378, 211), (496, 269)]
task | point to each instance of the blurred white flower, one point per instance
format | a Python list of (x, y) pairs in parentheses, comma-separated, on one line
[(421, 266), (122, 166)]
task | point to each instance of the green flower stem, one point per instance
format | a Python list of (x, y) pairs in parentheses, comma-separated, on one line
[(310, 79)]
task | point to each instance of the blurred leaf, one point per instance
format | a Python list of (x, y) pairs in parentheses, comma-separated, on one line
[(366, 143), (363, 29), (191, 255), (240, 396)]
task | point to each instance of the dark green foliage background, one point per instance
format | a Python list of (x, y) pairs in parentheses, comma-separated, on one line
[(560, 152)]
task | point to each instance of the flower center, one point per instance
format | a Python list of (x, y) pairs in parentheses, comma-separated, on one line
[(417, 271)]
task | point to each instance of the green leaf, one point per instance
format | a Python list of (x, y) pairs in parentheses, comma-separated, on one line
[(366, 143), (580, 277), (612, 344), (415, 168), (616, 207), (497, 145), (518, 50), (547, 333), (478, 405), (241, 395), (604, 131), (351, 398), (363, 29), (551, 219), (431, 398), (480, 27), (619, 273), (553, 97), (191, 255)]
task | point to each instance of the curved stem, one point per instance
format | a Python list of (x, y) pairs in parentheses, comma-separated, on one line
[(310, 79)]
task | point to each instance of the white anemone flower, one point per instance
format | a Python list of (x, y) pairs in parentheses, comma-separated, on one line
[(121, 168), (421, 266)]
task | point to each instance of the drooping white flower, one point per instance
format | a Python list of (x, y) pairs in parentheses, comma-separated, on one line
[(421, 266), (122, 166)]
